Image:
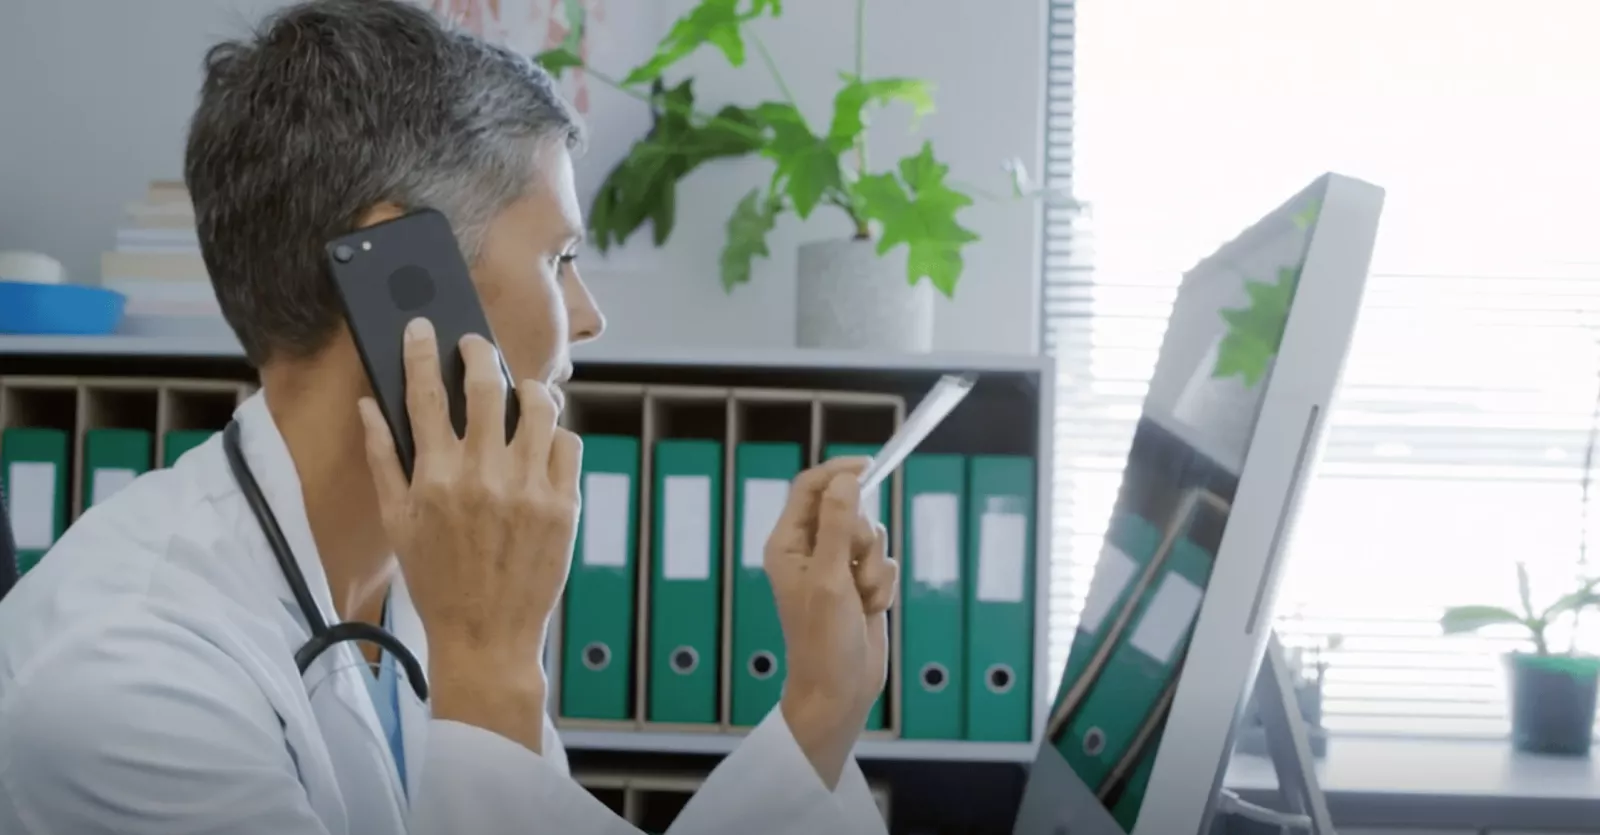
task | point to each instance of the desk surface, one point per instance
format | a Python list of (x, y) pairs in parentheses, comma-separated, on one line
[(1472, 785), (1376, 765)]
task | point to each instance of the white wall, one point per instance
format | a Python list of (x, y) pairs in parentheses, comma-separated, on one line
[(95, 94)]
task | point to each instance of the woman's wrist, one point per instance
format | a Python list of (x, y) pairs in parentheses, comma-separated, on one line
[(489, 691)]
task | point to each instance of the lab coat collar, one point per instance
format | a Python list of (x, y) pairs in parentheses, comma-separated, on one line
[(341, 668)]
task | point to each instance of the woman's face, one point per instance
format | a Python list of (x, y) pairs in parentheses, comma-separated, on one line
[(528, 280)]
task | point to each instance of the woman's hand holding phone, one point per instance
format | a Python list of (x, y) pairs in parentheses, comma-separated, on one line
[(483, 531)]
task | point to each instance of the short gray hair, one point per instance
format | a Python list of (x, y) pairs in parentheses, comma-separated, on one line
[(333, 107)]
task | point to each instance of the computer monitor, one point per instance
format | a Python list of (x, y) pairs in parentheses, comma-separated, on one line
[(1179, 608)]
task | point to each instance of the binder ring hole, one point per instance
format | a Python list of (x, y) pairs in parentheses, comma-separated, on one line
[(597, 656), (934, 677), (999, 678), (685, 660), (762, 665), (1094, 742)]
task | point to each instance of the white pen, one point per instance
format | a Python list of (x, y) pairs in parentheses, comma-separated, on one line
[(947, 393)]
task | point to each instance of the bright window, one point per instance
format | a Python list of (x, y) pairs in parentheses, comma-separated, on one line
[(1456, 445)]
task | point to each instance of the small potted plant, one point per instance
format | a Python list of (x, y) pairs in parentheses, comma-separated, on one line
[(1552, 693), (870, 285)]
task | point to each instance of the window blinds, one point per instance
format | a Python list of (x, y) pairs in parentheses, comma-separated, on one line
[(1456, 446)]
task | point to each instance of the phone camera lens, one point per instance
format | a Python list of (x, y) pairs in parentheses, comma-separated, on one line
[(343, 253)]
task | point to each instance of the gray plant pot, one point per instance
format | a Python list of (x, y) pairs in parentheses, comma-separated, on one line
[(1553, 703), (848, 297)]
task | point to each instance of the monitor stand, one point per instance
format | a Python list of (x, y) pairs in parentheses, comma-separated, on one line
[(1289, 746), (1070, 808)]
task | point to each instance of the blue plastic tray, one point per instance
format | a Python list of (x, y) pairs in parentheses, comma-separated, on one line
[(59, 309)]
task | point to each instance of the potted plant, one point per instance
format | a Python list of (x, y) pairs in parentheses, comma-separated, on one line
[(870, 285), (1552, 693)]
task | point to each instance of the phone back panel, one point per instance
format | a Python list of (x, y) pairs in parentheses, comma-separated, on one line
[(393, 272)]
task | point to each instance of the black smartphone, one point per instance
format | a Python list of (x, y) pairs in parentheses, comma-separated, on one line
[(393, 272)]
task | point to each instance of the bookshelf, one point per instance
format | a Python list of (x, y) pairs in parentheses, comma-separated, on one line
[(817, 397)]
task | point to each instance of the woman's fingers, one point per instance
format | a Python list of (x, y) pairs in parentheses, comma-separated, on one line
[(877, 576), (426, 404), (388, 479), (485, 385), (796, 528), (837, 516), (566, 461), (536, 426)]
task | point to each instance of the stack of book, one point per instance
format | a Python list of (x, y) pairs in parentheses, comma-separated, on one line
[(157, 265)]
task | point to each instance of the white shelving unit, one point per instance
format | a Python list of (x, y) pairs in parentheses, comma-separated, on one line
[(1020, 393)]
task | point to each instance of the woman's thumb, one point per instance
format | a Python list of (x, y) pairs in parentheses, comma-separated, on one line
[(836, 518)]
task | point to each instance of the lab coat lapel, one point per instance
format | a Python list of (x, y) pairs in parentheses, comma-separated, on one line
[(339, 672), (414, 713)]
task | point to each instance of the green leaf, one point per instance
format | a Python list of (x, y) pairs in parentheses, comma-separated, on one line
[(748, 227), (1584, 598), (1524, 589), (1304, 218), (850, 104), (577, 24), (558, 60), (1472, 618), (643, 186), (807, 168), (714, 22), (664, 212), (1244, 356), (919, 210), (567, 55), (1255, 332)]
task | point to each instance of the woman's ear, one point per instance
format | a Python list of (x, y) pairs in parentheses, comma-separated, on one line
[(379, 213)]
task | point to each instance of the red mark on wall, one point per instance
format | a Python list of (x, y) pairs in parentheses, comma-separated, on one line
[(557, 28)]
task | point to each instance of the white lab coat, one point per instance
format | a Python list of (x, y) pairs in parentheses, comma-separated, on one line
[(148, 687)]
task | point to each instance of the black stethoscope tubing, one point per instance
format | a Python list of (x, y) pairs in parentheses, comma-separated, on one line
[(323, 636)]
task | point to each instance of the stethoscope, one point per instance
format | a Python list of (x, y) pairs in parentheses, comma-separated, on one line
[(323, 636)]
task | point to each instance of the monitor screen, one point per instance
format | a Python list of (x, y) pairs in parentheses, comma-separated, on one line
[(1110, 711)]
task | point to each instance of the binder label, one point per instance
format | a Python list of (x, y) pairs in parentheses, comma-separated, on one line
[(686, 551), (1002, 557), (605, 519), (763, 504), (109, 480), (31, 495), (1167, 620), (1111, 575), (935, 539)]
